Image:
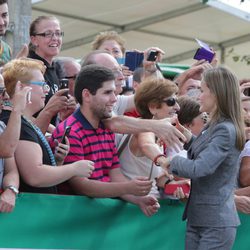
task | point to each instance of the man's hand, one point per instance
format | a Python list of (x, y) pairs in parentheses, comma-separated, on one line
[(182, 129), (170, 135), (7, 201), (148, 204)]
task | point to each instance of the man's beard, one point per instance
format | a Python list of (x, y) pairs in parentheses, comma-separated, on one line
[(2, 31), (101, 113)]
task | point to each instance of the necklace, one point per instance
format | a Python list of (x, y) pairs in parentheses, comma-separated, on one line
[(44, 141), (7, 103)]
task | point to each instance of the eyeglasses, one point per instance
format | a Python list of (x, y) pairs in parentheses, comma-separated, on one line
[(2, 91), (49, 34), (171, 101), (44, 85), (71, 77)]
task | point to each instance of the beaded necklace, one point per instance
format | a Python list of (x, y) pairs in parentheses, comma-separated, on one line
[(44, 141)]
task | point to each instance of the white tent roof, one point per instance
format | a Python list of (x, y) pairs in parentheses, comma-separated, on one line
[(171, 25)]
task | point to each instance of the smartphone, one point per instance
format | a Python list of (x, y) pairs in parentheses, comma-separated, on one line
[(133, 59), (66, 133), (170, 188), (202, 53), (152, 55), (64, 84)]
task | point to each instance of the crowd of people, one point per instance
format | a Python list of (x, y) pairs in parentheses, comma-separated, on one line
[(133, 134)]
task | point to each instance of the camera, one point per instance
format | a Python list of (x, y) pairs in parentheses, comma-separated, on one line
[(152, 55), (202, 53), (64, 84)]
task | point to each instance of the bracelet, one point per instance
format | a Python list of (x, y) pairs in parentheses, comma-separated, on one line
[(13, 189), (156, 159), (167, 181)]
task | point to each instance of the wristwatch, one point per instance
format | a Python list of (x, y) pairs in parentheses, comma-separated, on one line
[(13, 189)]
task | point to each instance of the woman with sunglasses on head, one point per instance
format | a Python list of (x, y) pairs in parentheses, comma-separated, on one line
[(140, 154), (212, 164), (35, 161), (45, 44)]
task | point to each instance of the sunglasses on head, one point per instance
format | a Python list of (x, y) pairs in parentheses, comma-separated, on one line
[(171, 101)]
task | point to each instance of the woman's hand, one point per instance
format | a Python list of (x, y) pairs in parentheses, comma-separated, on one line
[(83, 168), (178, 193), (61, 151)]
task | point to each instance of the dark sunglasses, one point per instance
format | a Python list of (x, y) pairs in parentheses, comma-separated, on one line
[(2, 91), (171, 101)]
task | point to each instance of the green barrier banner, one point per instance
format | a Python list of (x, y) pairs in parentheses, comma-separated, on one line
[(42, 221), (172, 70)]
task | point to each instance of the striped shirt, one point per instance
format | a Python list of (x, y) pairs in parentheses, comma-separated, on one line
[(89, 143)]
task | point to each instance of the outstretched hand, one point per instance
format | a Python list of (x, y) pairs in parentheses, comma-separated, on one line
[(140, 186), (169, 134), (7, 201), (182, 129), (149, 205)]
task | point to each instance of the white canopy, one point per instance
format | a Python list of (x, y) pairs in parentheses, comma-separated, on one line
[(170, 25)]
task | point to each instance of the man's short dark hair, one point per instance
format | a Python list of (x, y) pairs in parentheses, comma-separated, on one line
[(91, 77)]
